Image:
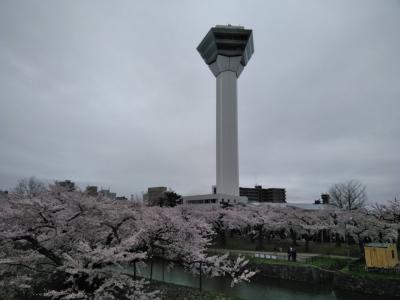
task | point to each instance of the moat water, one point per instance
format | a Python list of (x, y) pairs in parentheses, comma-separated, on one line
[(260, 288)]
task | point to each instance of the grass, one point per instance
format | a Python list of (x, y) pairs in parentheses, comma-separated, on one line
[(329, 263), (257, 260), (245, 243), (322, 262), (333, 264)]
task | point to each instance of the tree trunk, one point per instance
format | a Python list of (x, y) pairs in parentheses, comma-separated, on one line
[(260, 240), (337, 240), (222, 235), (293, 236), (307, 245), (347, 240), (35, 244), (398, 239), (162, 264), (361, 246), (200, 278), (134, 270), (151, 269)]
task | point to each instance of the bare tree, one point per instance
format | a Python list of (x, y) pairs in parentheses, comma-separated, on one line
[(29, 187), (348, 195)]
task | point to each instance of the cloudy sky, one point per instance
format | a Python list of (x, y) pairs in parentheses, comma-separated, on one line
[(113, 93)]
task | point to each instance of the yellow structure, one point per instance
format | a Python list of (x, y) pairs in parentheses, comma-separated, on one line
[(379, 255)]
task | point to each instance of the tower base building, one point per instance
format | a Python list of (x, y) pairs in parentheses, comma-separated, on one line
[(215, 199)]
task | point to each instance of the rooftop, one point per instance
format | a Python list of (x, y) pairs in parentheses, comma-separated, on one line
[(378, 245)]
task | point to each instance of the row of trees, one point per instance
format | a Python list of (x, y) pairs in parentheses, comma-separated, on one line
[(76, 241), (32, 187), (347, 195), (281, 223), (72, 239)]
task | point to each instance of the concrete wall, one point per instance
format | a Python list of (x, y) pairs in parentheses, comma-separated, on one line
[(371, 286)]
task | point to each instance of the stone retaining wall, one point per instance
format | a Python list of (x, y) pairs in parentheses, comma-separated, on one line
[(338, 280), (294, 272), (372, 286)]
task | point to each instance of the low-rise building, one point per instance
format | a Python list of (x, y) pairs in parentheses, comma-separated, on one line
[(107, 194), (154, 194), (3, 195), (258, 194), (325, 198), (67, 185), (91, 190), (309, 206), (220, 199), (214, 198)]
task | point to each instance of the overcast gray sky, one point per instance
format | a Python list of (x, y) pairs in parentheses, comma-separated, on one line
[(114, 93)]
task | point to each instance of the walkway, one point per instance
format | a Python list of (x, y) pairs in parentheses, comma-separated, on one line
[(301, 257)]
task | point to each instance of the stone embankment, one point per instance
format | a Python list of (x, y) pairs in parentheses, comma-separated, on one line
[(337, 279), (294, 272), (371, 286)]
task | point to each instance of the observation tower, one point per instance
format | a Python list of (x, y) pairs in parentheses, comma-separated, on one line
[(226, 50)]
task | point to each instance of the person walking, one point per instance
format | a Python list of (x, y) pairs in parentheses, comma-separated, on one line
[(289, 253), (294, 254)]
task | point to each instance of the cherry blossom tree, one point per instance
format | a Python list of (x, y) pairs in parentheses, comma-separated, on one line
[(78, 242), (362, 227), (389, 213), (265, 222), (65, 235), (268, 222), (306, 224)]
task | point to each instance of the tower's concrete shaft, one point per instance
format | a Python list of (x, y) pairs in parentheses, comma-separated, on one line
[(227, 49), (227, 134)]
